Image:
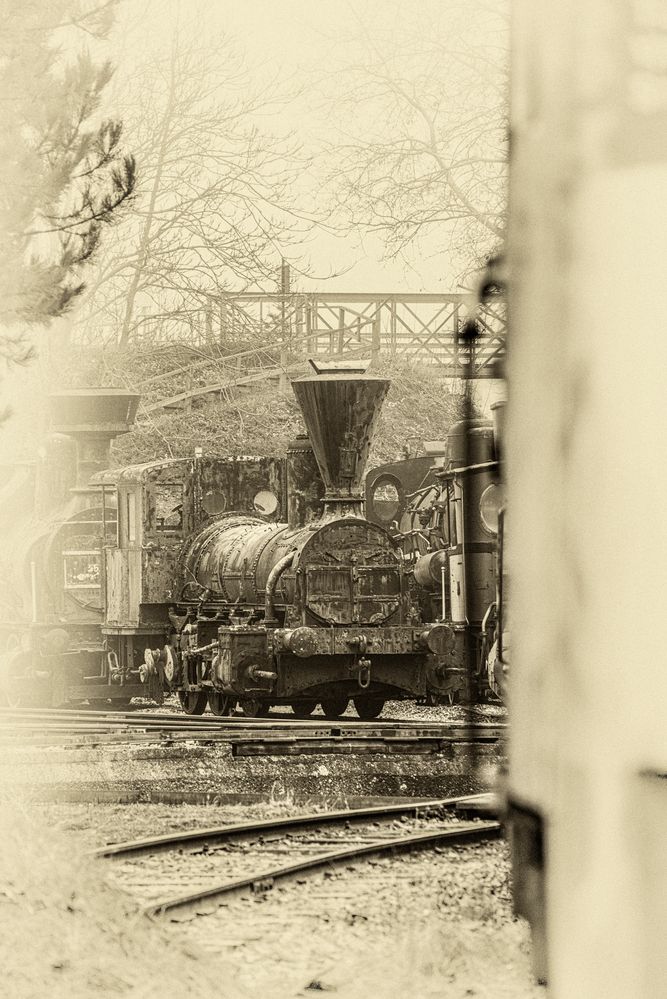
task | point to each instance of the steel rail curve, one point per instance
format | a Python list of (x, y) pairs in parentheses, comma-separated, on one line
[(238, 830), (461, 834)]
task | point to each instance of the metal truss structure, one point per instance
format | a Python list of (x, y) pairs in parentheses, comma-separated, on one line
[(423, 327), (427, 328)]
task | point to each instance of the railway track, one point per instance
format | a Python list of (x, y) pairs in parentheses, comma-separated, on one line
[(204, 867), (275, 736)]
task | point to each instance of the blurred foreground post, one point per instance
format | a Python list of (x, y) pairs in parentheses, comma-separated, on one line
[(587, 422)]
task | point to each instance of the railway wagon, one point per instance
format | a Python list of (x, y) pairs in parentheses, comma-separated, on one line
[(251, 580)]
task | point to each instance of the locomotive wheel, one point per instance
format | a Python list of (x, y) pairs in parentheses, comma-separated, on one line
[(193, 702), (334, 706), (368, 707), (253, 708), (303, 709), (220, 704)]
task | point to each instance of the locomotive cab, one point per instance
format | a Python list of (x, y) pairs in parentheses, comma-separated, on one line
[(53, 562), (160, 505)]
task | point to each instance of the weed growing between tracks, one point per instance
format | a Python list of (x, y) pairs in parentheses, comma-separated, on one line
[(67, 933)]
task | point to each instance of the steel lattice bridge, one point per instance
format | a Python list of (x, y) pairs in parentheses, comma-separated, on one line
[(262, 335)]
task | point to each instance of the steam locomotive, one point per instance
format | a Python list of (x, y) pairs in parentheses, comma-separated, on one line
[(445, 508), (250, 580)]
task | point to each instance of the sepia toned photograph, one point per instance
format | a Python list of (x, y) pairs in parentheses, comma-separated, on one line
[(333, 555)]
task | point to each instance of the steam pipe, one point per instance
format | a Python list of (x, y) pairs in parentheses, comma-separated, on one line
[(272, 583), (462, 499)]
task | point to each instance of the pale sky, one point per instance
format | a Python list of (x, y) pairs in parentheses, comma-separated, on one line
[(306, 44)]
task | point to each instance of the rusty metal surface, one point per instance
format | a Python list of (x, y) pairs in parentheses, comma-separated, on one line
[(203, 565), (363, 568), (324, 676), (340, 413), (212, 485), (449, 546), (380, 641), (305, 488), (170, 501), (459, 834), (405, 477)]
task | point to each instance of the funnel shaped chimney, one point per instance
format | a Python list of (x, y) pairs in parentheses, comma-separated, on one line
[(93, 417), (340, 411)]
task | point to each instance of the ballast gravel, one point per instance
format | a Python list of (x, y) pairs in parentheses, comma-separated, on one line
[(435, 923)]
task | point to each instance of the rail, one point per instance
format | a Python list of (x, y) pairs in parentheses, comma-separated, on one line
[(204, 840), (273, 736), (457, 836)]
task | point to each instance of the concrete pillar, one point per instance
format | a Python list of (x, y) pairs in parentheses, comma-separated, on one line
[(587, 422)]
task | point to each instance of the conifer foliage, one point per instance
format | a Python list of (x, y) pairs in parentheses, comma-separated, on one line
[(63, 173)]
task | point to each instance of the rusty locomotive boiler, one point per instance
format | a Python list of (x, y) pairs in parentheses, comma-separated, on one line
[(250, 580)]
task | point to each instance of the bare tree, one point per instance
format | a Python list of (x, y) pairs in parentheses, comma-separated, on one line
[(216, 205), (64, 175), (422, 156)]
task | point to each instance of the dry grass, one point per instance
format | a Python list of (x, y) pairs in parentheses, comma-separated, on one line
[(440, 930), (257, 419), (67, 933), (421, 405), (456, 960), (254, 421)]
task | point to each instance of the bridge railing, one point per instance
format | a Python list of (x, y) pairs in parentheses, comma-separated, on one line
[(421, 327)]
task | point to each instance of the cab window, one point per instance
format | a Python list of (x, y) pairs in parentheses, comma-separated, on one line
[(168, 508), (127, 518)]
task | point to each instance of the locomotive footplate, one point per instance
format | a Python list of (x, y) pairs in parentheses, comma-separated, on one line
[(282, 662), (387, 676)]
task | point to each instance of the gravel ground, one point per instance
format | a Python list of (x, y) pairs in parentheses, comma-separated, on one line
[(430, 924), (436, 923), (392, 711), (172, 873), (151, 769)]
